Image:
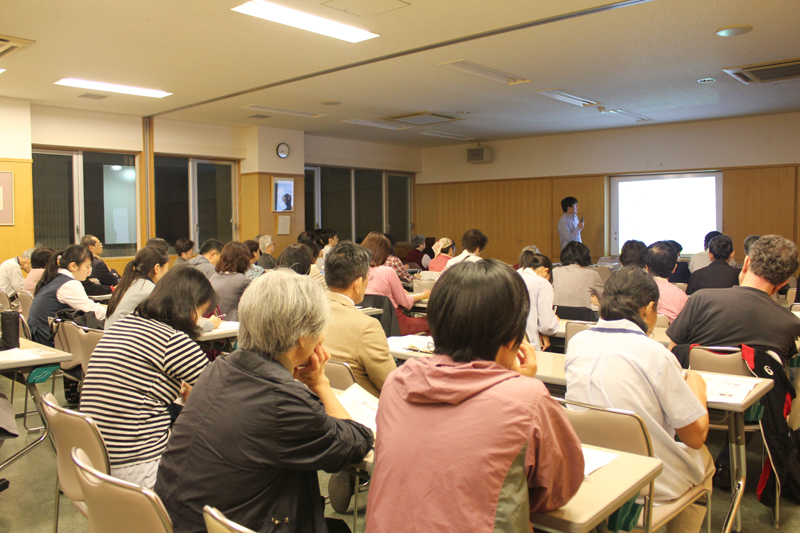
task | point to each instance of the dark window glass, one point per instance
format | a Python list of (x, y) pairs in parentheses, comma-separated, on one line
[(369, 202), (214, 207), (172, 199), (399, 207), (336, 201), (311, 211), (109, 201), (53, 209)]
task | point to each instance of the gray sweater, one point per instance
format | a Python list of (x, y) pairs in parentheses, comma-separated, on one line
[(229, 288), (203, 265), (138, 291)]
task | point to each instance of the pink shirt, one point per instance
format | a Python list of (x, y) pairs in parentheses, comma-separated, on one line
[(383, 281), (33, 278), (671, 299), (438, 263)]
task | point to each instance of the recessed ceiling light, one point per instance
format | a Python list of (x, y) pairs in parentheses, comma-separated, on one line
[(111, 88), (485, 72), (359, 122), (568, 98), (278, 111), (331, 102), (258, 117), (93, 96), (447, 135), (623, 113), (706, 80), (733, 31), (303, 21), (462, 113), (2, 70)]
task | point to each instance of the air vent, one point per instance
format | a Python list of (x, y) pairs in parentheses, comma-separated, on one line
[(92, 96), (421, 118), (479, 155), (9, 45), (766, 72), (258, 117)]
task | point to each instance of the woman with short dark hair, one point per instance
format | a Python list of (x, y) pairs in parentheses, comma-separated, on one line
[(253, 270), (574, 283), (508, 448), (230, 279), (185, 250), (138, 281), (140, 366), (633, 253), (542, 321)]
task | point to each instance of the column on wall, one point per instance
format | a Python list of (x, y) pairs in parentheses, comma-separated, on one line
[(15, 157)]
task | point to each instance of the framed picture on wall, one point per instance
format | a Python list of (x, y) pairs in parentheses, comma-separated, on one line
[(282, 195), (6, 198)]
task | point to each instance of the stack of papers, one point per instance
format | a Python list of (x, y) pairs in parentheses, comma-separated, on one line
[(415, 343), (361, 405), (722, 388), (595, 459), (228, 325)]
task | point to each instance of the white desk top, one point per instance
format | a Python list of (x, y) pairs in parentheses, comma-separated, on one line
[(370, 311), (44, 356), (226, 330), (101, 297), (398, 346)]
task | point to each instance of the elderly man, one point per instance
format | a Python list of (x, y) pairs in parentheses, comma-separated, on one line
[(262, 420), (267, 248), (11, 278), (100, 270)]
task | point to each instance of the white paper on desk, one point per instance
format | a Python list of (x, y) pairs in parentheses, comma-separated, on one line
[(15, 354), (361, 405), (727, 389), (416, 343), (595, 459), (227, 325)]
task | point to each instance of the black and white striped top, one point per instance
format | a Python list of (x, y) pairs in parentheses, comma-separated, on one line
[(134, 374)]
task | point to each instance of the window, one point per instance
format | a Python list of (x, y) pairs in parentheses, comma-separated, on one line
[(80, 193), (355, 202)]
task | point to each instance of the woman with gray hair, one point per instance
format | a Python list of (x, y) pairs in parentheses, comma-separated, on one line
[(267, 248), (262, 420)]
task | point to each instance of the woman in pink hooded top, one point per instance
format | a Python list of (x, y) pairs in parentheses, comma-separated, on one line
[(467, 439)]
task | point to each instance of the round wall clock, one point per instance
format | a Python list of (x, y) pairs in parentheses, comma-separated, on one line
[(283, 150)]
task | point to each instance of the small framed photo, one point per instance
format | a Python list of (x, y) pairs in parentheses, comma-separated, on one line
[(6, 198), (282, 195)]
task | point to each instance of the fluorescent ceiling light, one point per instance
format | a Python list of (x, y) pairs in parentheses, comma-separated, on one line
[(447, 135), (304, 21), (623, 113), (2, 70), (360, 122), (568, 98), (111, 88), (278, 111), (485, 72)]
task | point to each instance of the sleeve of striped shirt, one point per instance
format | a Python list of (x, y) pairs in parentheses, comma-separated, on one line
[(183, 359)]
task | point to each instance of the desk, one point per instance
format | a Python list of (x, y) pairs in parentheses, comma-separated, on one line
[(101, 297), (19, 370), (370, 311), (226, 330), (398, 347)]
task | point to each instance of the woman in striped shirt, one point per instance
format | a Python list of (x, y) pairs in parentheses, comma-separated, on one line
[(141, 366)]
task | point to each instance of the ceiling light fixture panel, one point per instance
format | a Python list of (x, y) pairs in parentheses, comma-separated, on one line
[(447, 135), (303, 21), (360, 122), (628, 114), (482, 71), (568, 98), (111, 88), (279, 111)]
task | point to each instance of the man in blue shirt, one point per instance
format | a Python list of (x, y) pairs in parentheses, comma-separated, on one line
[(569, 226)]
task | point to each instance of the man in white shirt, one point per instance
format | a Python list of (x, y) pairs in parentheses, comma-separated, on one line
[(11, 278), (569, 226), (473, 242)]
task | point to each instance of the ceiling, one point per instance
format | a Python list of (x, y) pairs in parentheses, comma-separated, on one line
[(644, 58)]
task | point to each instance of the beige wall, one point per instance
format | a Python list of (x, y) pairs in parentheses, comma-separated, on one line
[(360, 154), (74, 128), (15, 128), (198, 140)]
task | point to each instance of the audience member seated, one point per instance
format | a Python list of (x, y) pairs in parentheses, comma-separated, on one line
[(574, 283), (508, 447), (60, 288), (254, 270), (262, 420), (384, 282), (542, 321), (230, 279), (532, 248), (100, 271), (748, 242), (11, 279), (311, 242), (138, 281), (661, 261), (185, 250), (745, 314), (331, 239), (443, 250), (267, 248), (632, 253), (417, 255), (718, 274), (393, 262), (208, 258), (682, 274), (39, 259), (159, 243), (702, 259), (616, 365), (474, 243), (139, 368)]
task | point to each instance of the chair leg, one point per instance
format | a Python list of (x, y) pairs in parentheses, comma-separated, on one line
[(58, 501), (708, 512), (777, 511), (25, 417)]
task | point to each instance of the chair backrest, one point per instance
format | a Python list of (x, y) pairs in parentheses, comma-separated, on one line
[(681, 286), (572, 328), (388, 319), (217, 523), (793, 282), (576, 313), (5, 301), (604, 272), (78, 341), (339, 374), (70, 429), (25, 302), (791, 295), (615, 429), (718, 359), (118, 506), (662, 321), (794, 307)]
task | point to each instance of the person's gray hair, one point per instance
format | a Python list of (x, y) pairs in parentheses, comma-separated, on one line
[(278, 309), (263, 242), (28, 253), (417, 240), (748, 242), (774, 258), (531, 248)]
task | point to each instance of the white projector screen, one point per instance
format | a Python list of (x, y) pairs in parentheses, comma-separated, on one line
[(679, 207)]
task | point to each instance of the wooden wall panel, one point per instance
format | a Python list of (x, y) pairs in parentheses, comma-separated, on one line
[(17, 238), (249, 225), (758, 201), (591, 195), (512, 213)]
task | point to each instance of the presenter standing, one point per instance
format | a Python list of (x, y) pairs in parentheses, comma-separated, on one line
[(569, 226)]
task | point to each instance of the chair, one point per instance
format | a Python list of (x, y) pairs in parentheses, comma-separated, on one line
[(791, 295), (339, 374), (217, 523), (25, 302), (604, 271), (388, 318), (662, 321), (118, 506), (625, 431), (70, 429), (80, 342), (5, 301), (567, 312), (681, 286), (572, 328), (794, 307)]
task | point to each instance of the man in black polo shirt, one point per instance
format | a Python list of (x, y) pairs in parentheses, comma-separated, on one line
[(719, 274)]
